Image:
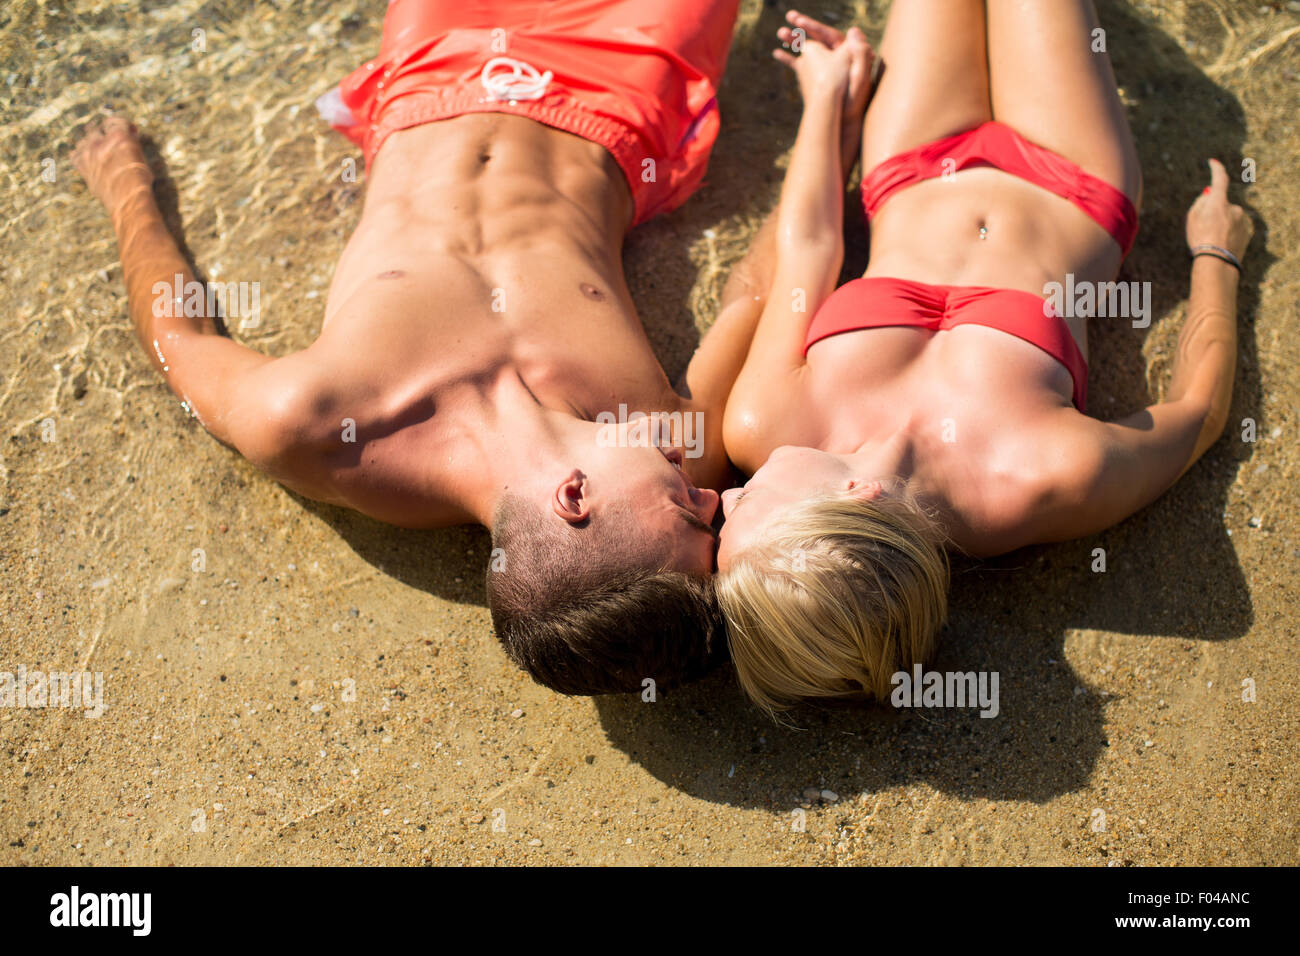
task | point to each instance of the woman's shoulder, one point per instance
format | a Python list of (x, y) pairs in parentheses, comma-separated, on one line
[(763, 415)]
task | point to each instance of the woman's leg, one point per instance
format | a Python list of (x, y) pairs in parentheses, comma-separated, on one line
[(936, 77), (1052, 88)]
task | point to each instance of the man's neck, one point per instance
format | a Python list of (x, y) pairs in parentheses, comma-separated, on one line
[(514, 446)]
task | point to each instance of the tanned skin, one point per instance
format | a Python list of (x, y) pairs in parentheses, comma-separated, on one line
[(477, 324), (974, 422)]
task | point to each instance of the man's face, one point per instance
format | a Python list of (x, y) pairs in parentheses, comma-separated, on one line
[(664, 515)]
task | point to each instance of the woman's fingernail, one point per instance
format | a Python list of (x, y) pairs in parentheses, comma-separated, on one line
[(1207, 190)]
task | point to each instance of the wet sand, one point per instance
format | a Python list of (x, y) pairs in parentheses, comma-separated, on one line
[(328, 690)]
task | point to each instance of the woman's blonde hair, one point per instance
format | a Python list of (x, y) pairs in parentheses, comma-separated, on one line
[(839, 595)]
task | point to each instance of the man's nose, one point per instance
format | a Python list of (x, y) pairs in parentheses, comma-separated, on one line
[(706, 502)]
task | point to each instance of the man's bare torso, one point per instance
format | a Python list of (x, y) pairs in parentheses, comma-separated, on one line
[(490, 245)]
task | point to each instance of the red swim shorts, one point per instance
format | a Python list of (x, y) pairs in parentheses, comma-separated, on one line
[(638, 77)]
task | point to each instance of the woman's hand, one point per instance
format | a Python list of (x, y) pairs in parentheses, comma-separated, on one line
[(110, 160), (830, 60), (824, 59), (1213, 220)]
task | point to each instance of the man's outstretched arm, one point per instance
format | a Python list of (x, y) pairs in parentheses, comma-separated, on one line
[(228, 386)]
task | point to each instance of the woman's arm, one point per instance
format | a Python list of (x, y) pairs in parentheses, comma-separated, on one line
[(808, 239), (1205, 363), (718, 361), (809, 250), (1116, 468), (791, 267)]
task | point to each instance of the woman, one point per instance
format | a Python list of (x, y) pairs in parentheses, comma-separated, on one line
[(940, 399)]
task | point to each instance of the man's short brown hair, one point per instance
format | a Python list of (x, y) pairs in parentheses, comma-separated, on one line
[(581, 612)]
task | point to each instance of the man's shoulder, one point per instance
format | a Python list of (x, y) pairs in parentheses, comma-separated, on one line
[(286, 409)]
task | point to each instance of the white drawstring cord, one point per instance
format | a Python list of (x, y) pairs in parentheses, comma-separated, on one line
[(520, 81)]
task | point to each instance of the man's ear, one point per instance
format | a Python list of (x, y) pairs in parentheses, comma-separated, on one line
[(866, 490), (570, 501)]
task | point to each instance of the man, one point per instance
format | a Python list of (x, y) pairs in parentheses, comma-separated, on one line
[(479, 333)]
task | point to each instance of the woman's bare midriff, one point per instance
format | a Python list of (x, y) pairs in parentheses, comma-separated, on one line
[(930, 232)]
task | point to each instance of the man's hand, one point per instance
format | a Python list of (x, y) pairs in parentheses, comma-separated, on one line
[(841, 60), (1213, 220), (110, 160)]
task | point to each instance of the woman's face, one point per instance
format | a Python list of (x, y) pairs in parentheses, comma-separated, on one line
[(790, 475)]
